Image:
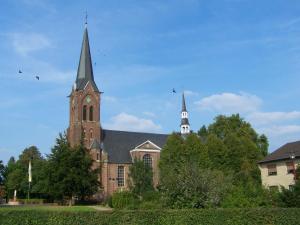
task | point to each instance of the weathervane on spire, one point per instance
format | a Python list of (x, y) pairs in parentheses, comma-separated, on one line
[(86, 17)]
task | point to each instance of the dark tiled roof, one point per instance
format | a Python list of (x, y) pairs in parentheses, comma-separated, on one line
[(284, 152), (119, 143)]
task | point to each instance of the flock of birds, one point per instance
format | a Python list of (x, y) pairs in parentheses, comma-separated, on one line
[(36, 77)]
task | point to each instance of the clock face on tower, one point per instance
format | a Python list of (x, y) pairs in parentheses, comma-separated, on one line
[(88, 99)]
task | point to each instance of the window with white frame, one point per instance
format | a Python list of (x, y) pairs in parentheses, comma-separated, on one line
[(147, 160), (121, 176)]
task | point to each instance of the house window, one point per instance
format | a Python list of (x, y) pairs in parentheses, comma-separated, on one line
[(121, 176), (147, 160), (272, 170), (84, 113), (98, 156), (290, 167), (91, 113)]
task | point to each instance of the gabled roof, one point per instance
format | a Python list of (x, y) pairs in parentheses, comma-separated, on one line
[(85, 68), (118, 144), (283, 153)]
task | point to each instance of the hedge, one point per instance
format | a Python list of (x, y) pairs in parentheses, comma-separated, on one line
[(167, 217)]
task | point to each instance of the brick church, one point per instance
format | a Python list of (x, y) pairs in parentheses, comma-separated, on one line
[(113, 151)]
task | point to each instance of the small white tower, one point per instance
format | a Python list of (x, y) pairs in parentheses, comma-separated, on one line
[(184, 126)]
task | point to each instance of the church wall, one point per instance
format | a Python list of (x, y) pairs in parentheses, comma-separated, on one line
[(155, 159)]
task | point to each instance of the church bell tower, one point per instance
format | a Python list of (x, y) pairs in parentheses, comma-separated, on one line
[(84, 122), (185, 125)]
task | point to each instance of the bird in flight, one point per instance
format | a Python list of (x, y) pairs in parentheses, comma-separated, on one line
[(173, 91), (37, 77)]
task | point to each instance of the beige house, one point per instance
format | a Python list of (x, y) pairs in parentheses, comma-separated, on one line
[(278, 168)]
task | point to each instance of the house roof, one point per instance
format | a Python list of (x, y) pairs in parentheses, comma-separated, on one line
[(284, 152), (118, 144)]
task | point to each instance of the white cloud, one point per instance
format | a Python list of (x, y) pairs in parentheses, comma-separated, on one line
[(230, 103), (25, 43), (260, 118), (275, 131), (151, 114), (124, 121)]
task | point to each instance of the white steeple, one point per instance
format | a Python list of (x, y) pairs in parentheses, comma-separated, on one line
[(184, 126)]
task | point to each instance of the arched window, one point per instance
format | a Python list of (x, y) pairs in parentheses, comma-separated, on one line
[(147, 160), (84, 113), (91, 113)]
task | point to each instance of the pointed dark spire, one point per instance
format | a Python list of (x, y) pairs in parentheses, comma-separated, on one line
[(85, 68), (183, 104)]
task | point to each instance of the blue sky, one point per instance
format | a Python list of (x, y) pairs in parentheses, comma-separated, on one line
[(230, 56)]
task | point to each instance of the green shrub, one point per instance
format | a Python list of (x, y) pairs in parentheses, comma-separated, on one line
[(124, 199), (31, 201), (258, 216)]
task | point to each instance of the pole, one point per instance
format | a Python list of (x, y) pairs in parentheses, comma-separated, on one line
[(28, 194)]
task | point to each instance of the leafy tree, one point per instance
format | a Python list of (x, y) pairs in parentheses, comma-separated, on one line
[(70, 172), (16, 174), (186, 180), (141, 177), (2, 170), (234, 146)]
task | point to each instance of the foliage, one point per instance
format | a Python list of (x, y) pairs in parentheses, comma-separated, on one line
[(69, 171), (240, 147), (16, 173), (141, 177), (259, 216), (124, 199), (186, 180), (291, 198), (2, 170)]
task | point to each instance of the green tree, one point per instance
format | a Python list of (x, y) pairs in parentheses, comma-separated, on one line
[(16, 174), (70, 172), (141, 178), (186, 180), (239, 145), (2, 170)]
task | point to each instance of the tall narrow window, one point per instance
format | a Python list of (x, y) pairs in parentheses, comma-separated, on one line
[(272, 170), (91, 113), (84, 113), (147, 160), (121, 176)]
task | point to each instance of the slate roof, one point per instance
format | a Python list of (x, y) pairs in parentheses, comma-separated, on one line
[(118, 144), (183, 104), (85, 68), (283, 152), (185, 121)]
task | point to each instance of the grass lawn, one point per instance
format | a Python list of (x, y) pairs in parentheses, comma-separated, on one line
[(48, 208)]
